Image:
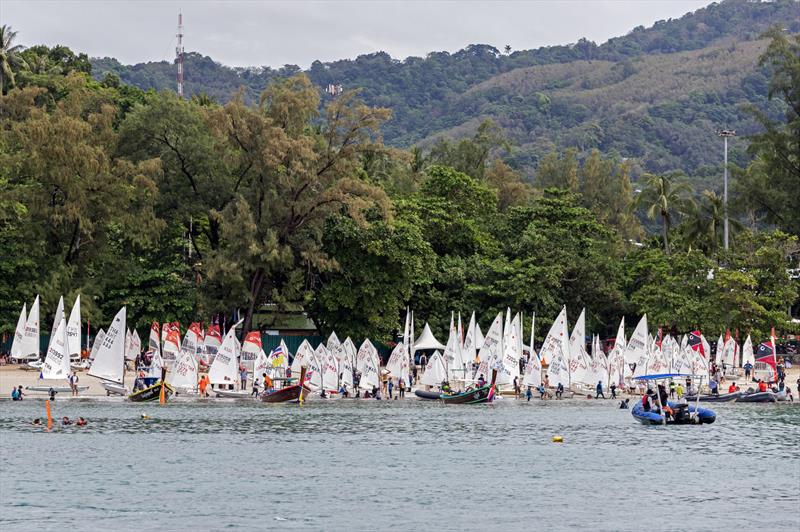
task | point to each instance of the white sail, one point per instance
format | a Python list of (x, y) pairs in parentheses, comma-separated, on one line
[(58, 316), (74, 328), (250, 349), (18, 345), (156, 363), (682, 360), (56, 363), (599, 363), (469, 350), (305, 356), (435, 372), (720, 347), (334, 346), (184, 374), (346, 363), (211, 343), (636, 352), (616, 359), (350, 351), (555, 349), (368, 364), (225, 369), (109, 359), (657, 362), (512, 352), (452, 354), (128, 341), (261, 365), (729, 351), (330, 368), (578, 358), (171, 343), (395, 363), (491, 351), (533, 370), (747, 352), (31, 340), (98, 341), (154, 342)]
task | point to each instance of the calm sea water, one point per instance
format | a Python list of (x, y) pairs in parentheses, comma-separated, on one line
[(408, 465)]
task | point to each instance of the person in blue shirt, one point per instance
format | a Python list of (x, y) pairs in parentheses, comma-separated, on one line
[(14, 394), (559, 390), (528, 394), (712, 385), (747, 369), (599, 390)]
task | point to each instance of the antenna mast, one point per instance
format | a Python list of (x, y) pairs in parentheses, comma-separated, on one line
[(179, 54)]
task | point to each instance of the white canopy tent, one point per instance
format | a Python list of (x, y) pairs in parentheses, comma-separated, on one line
[(426, 340)]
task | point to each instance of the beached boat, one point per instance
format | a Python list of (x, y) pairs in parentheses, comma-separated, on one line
[(758, 397), (484, 394), (57, 389), (722, 398), (685, 414), (291, 393), (232, 394), (112, 388)]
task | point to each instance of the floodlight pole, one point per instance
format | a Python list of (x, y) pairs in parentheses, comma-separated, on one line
[(725, 133)]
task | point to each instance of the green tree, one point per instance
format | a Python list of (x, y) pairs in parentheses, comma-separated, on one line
[(556, 171), (702, 226), (663, 198), (9, 56)]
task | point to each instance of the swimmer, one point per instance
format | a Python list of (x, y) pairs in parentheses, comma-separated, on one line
[(81, 422), (37, 421), (623, 404), (66, 421)]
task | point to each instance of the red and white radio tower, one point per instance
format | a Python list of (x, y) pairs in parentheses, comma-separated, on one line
[(179, 55)]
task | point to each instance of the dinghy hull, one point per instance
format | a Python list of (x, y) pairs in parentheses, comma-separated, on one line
[(113, 388), (57, 389), (428, 396), (233, 394)]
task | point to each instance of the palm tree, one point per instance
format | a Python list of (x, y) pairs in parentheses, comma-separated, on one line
[(9, 56), (661, 198), (703, 225)]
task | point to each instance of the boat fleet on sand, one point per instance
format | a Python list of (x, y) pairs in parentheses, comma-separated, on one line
[(470, 368)]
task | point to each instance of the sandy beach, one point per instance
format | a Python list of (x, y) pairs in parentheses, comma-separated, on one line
[(13, 375)]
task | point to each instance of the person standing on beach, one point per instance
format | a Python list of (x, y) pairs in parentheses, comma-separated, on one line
[(391, 387), (401, 389), (73, 383), (243, 376), (516, 388), (599, 390), (559, 390), (528, 394)]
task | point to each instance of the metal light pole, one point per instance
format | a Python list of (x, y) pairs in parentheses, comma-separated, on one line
[(725, 133)]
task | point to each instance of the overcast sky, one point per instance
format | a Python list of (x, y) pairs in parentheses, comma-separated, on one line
[(254, 33)]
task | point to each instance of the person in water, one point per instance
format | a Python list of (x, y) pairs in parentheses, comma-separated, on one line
[(37, 421), (52, 393), (528, 394), (624, 404), (66, 421), (14, 394), (81, 422)]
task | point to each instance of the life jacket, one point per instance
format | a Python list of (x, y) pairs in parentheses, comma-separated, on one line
[(645, 403)]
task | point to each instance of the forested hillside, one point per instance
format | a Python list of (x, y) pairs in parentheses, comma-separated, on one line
[(649, 95)]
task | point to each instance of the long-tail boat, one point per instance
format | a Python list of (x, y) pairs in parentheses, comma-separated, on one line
[(293, 392), (484, 394)]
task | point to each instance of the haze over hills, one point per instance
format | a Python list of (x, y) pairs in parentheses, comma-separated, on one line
[(656, 94)]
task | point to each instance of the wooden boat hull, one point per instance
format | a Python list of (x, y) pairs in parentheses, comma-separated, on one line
[(286, 395), (758, 397), (722, 398), (151, 393), (476, 396)]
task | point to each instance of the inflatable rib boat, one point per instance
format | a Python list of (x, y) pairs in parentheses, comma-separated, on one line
[(683, 415)]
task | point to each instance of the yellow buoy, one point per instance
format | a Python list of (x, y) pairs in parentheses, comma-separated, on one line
[(558, 439)]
